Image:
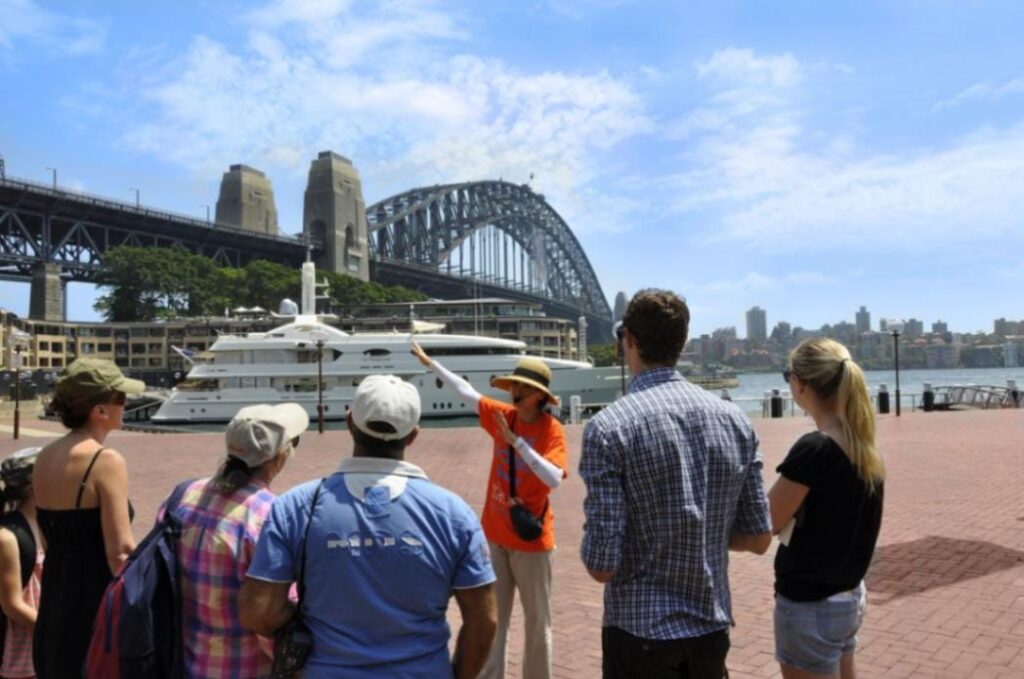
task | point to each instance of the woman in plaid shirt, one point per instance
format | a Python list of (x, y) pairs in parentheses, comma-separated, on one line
[(222, 517)]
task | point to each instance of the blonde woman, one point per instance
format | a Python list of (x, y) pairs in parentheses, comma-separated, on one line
[(826, 507)]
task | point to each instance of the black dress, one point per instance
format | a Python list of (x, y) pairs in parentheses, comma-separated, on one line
[(75, 576)]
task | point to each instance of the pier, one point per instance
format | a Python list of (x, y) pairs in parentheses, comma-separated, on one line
[(946, 588)]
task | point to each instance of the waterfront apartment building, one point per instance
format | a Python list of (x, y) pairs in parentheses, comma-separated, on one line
[(149, 349), (543, 335), (757, 325)]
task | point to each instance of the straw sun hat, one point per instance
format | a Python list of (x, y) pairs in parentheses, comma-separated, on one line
[(530, 371)]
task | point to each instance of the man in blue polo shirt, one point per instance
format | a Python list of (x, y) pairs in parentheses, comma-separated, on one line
[(386, 550)]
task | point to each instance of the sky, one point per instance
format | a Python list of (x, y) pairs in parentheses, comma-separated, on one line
[(805, 157)]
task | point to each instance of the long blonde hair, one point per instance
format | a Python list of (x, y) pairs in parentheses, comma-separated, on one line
[(826, 367)]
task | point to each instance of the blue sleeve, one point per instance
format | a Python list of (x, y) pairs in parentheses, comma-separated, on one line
[(277, 549), (474, 566), (604, 507), (752, 517)]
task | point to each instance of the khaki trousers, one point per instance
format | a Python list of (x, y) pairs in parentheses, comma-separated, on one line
[(530, 573)]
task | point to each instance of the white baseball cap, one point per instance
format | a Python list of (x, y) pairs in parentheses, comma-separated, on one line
[(257, 433), (387, 399)]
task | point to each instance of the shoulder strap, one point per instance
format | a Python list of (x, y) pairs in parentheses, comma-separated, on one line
[(88, 470), (302, 572), (512, 460), (175, 499)]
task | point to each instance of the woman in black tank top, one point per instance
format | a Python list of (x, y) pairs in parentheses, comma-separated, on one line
[(81, 490)]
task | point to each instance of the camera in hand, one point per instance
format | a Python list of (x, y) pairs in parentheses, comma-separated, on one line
[(292, 645)]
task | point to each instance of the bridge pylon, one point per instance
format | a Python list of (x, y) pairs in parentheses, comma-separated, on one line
[(334, 216)]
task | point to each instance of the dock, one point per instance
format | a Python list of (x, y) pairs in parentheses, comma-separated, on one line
[(946, 588)]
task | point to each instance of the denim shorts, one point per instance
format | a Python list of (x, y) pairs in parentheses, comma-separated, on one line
[(813, 635)]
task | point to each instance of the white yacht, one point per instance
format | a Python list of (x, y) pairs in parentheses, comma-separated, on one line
[(283, 364)]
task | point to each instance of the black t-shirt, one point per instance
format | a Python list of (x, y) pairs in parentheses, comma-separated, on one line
[(836, 526)]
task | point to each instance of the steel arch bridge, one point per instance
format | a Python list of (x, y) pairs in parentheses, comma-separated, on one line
[(502, 236)]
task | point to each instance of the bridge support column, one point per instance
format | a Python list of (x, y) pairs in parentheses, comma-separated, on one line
[(46, 300)]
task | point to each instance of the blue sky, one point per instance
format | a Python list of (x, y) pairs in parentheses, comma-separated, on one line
[(806, 157)]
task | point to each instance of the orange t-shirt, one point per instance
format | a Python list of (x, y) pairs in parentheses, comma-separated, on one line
[(547, 437)]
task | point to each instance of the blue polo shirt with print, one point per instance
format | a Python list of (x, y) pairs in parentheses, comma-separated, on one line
[(387, 548)]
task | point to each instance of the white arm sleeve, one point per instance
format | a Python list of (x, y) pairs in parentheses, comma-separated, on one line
[(460, 386), (548, 472)]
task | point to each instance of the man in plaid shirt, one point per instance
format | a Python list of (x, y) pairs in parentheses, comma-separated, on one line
[(673, 479)]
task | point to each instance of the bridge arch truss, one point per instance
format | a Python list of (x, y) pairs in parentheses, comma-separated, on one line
[(496, 233)]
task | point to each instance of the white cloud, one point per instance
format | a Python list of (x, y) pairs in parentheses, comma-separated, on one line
[(25, 20), (777, 184), (743, 67), (451, 117), (985, 91)]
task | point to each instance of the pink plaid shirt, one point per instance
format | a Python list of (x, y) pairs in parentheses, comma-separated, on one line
[(217, 543)]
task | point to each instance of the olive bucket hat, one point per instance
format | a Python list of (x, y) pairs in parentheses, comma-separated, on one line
[(86, 377)]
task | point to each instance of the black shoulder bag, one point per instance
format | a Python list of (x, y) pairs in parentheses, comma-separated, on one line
[(294, 641), (527, 526)]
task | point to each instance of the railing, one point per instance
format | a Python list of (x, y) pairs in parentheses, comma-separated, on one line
[(101, 201), (979, 396)]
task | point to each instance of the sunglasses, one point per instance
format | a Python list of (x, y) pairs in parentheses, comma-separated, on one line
[(295, 442), (786, 374)]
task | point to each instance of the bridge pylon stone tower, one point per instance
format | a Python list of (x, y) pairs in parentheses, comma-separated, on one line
[(247, 200), (46, 295), (334, 215)]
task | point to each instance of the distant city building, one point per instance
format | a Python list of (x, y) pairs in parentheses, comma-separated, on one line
[(782, 333), (940, 327), (1011, 355), (941, 355), (621, 301), (757, 325), (863, 318), (1003, 327), (883, 325), (913, 328)]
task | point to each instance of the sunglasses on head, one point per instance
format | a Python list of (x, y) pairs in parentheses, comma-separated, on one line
[(295, 442), (786, 374)]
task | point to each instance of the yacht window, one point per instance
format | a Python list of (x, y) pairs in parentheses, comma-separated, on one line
[(439, 383), (376, 352)]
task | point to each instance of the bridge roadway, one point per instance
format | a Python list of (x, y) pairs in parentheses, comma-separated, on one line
[(40, 223)]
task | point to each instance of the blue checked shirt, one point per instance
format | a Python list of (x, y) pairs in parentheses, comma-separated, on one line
[(671, 472)]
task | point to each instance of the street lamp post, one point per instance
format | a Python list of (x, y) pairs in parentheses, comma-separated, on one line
[(17, 392), (895, 327), (319, 336)]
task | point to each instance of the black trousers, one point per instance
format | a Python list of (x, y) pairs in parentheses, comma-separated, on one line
[(628, 657)]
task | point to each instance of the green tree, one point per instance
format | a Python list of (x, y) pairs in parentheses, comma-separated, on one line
[(602, 354)]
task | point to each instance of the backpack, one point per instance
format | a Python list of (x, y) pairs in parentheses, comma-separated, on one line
[(18, 525), (138, 626)]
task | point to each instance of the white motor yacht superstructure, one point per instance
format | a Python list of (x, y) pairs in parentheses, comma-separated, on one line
[(283, 364)]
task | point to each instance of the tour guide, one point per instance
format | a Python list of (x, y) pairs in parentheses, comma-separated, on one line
[(540, 464), (385, 551)]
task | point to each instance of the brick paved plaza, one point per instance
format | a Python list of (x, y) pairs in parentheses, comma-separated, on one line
[(946, 589)]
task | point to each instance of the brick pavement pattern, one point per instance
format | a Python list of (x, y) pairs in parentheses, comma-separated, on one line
[(946, 588)]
